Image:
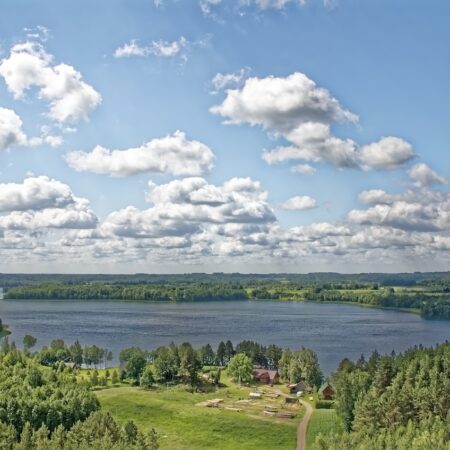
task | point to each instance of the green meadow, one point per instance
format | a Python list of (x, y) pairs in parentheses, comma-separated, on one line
[(182, 425), (322, 421)]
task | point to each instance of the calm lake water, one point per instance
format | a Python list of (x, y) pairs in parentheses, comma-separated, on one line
[(333, 331)]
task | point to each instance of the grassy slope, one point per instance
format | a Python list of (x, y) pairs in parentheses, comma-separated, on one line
[(182, 425), (322, 421)]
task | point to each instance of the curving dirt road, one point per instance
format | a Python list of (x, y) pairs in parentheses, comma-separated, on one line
[(303, 426)]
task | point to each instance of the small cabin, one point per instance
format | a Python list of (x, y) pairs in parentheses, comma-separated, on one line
[(327, 392), (300, 387), (265, 376)]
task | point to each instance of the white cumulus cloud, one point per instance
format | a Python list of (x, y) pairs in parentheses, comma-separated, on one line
[(375, 196), (41, 202), (388, 153), (295, 108), (299, 202), (191, 206), (281, 103), (413, 210), (173, 154), (35, 193), (78, 216), (314, 142), (423, 175), (304, 169), (11, 133), (29, 65)]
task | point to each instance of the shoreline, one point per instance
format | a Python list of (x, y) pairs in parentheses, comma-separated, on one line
[(363, 305)]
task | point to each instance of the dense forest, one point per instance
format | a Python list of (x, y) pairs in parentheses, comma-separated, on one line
[(150, 292), (394, 402), (427, 294), (43, 408)]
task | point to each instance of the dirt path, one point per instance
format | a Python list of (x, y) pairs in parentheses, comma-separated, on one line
[(303, 426)]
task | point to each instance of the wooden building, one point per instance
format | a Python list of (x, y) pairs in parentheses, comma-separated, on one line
[(327, 392), (301, 386), (265, 376)]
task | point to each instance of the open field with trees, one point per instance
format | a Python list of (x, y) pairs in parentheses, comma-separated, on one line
[(180, 397), (183, 425), (180, 391)]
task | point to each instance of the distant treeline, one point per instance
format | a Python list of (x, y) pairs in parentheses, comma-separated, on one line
[(149, 292), (440, 280), (430, 306), (432, 301)]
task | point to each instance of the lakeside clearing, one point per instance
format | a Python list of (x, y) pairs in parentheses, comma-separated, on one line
[(183, 425)]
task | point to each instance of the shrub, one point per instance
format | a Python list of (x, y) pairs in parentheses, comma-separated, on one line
[(324, 404)]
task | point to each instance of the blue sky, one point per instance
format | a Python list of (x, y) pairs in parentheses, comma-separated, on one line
[(128, 74)]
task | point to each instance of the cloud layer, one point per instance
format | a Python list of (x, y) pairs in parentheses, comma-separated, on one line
[(193, 221)]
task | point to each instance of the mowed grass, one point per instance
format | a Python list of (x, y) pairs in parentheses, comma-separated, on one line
[(322, 421), (182, 425)]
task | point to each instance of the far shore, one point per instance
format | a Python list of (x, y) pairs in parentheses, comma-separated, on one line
[(279, 300)]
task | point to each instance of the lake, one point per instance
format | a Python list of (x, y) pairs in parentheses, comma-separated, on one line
[(333, 331)]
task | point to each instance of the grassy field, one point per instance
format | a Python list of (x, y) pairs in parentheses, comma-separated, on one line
[(322, 421), (183, 425)]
